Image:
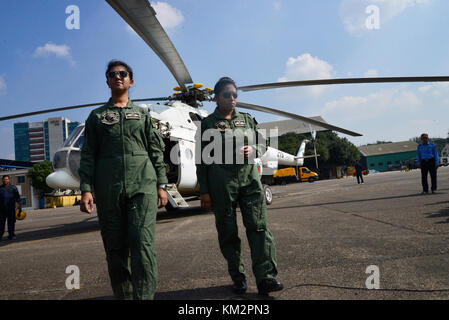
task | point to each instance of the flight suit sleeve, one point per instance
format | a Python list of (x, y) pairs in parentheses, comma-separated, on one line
[(156, 147), (202, 168), (88, 156), (260, 145)]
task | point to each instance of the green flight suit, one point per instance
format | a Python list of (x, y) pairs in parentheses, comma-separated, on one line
[(235, 184), (122, 162)]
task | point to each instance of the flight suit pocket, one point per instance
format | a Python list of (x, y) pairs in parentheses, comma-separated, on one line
[(254, 213)]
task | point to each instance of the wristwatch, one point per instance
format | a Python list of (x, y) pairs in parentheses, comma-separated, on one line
[(162, 186)]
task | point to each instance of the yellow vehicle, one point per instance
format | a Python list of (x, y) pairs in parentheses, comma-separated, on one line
[(283, 176), (307, 175)]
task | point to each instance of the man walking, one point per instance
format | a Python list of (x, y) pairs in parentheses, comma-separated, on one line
[(122, 162), (358, 172), (9, 196), (428, 161)]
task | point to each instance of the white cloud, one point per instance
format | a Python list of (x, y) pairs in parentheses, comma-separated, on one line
[(435, 89), (372, 106), (277, 4), (353, 15), (168, 16), (3, 86), (370, 73), (61, 51), (306, 67)]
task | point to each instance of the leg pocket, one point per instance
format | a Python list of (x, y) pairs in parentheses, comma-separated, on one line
[(254, 210)]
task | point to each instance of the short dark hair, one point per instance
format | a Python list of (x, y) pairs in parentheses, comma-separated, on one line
[(424, 134), (223, 82), (6, 176), (115, 63)]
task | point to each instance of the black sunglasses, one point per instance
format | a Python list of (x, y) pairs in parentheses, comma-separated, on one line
[(122, 74), (227, 95)]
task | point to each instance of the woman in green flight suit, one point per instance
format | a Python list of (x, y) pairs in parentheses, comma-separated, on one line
[(224, 186)]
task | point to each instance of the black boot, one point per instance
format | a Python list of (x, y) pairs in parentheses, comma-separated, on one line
[(269, 285), (239, 287)]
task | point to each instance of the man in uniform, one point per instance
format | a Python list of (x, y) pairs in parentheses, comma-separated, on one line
[(428, 161), (9, 196), (122, 162), (224, 186)]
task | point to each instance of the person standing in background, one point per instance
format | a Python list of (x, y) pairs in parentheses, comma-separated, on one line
[(428, 161), (9, 196)]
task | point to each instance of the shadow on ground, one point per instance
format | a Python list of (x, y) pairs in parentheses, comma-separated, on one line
[(211, 293), (443, 213)]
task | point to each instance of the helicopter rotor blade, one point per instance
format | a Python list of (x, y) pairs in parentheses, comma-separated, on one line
[(142, 18), (296, 117), (300, 83), (21, 115)]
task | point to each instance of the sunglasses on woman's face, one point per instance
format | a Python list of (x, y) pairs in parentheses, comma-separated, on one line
[(122, 74), (227, 95)]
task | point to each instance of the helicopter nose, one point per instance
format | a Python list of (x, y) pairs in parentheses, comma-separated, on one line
[(62, 180)]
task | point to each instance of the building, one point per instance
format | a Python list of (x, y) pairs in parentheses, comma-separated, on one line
[(28, 196), (38, 141), (388, 156)]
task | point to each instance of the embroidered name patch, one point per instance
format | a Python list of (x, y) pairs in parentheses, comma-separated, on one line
[(239, 123), (110, 118), (132, 115)]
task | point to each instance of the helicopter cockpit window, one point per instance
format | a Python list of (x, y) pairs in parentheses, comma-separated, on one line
[(71, 139), (79, 142)]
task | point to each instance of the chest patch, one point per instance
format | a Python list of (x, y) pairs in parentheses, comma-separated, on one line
[(110, 118), (132, 116), (223, 125), (240, 123)]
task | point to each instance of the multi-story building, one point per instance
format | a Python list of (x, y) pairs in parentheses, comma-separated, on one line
[(38, 141)]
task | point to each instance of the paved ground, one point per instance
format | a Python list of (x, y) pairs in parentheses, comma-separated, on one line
[(327, 234)]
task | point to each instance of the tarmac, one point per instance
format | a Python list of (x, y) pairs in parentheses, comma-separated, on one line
[(335, 240)]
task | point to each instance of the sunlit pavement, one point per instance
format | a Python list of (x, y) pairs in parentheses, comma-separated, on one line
[(329, 234)]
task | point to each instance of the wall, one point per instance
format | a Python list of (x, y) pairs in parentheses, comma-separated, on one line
[(381, 162)]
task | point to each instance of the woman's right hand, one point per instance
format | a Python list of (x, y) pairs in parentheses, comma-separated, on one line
[(206, 201)]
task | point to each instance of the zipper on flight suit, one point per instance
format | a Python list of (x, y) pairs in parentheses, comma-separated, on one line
[(123, 149)]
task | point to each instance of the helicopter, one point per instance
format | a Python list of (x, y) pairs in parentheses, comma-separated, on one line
[(178, 124)]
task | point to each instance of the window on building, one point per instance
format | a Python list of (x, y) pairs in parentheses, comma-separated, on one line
[(397, 161), (20, 179), (389, 162), (23, 201), (371, 165), (381, 163)]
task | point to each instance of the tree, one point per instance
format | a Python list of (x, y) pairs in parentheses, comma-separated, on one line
[(333, 150), (38, 173)]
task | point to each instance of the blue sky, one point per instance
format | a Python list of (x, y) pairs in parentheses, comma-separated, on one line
[(43, 64)]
